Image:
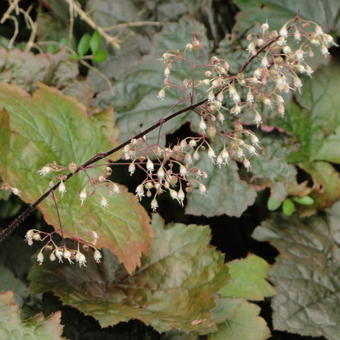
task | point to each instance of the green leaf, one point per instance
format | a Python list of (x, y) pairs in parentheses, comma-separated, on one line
[(9, 282), (306, 200), (136, 91), (226, 192), (273, 204), (306, 275), (84, 44), (100, 56), (173, 289), (241, 321), (315, 117), (248, 279), (288, 207), (96, 42), (50, 127), (36, 328), (277, 12)]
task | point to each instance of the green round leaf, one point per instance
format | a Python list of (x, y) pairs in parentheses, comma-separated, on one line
[(273, 203), (306, 200), (100, 56), (84, 44), (96, 42), (288, 207)]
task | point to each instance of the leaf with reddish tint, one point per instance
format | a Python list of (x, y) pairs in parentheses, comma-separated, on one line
[(36, 328), (173, 289), (50, 127)]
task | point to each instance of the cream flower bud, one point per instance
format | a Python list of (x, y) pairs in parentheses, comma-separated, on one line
[(211, 96), (173, 194), (250, 97), (246, 163), (283, 31), (264, 62), (59, 254), (257, 119), (149, 165), (82, 196), (211, 153), (220, 97), (287, 49), (67, 255), (140, 191), (183, 170), (154, 204), (297, 35), (40, 258), (160, 172), (180, 196), (103, 202), (15, 191), (132, 168), (203, 125), (167, 71), (44, 170), (324, 50), (299, 55), (161, 94), (97, 256), (264, 27), (52, 257), (318, 30), (81, 259), (62, 188), (202, 188)]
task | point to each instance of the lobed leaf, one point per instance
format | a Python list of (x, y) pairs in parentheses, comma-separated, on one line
[(306, 275), (173, 289), (248, 279), (49, 127), (36, 328)]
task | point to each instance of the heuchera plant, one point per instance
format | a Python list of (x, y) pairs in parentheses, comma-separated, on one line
[(277, 60)]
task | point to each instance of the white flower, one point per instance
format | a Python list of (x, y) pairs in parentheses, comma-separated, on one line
[(173, 194), (59, 254), (15, 191), (246, 163), (115, 188), (203, 125), (264, 27), (324, 50), (180, 196), (154, 204), (211, 153), (82, 196), (81, 259), (250, 97), (257, 119), (297, 35), (62, 188), (132, 168), (149, 165), (45, 170), (140, 191), (318, 30), (160, 172), (52, 257), (202, 188), (103, 202), (97, 256), (299, 55), (182, 170), (264, 62), (283, 31), (161, 94), (40, 258), (211, 96), (67, 255)]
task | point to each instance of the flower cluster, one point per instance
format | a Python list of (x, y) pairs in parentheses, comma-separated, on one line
[(62, 253)]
